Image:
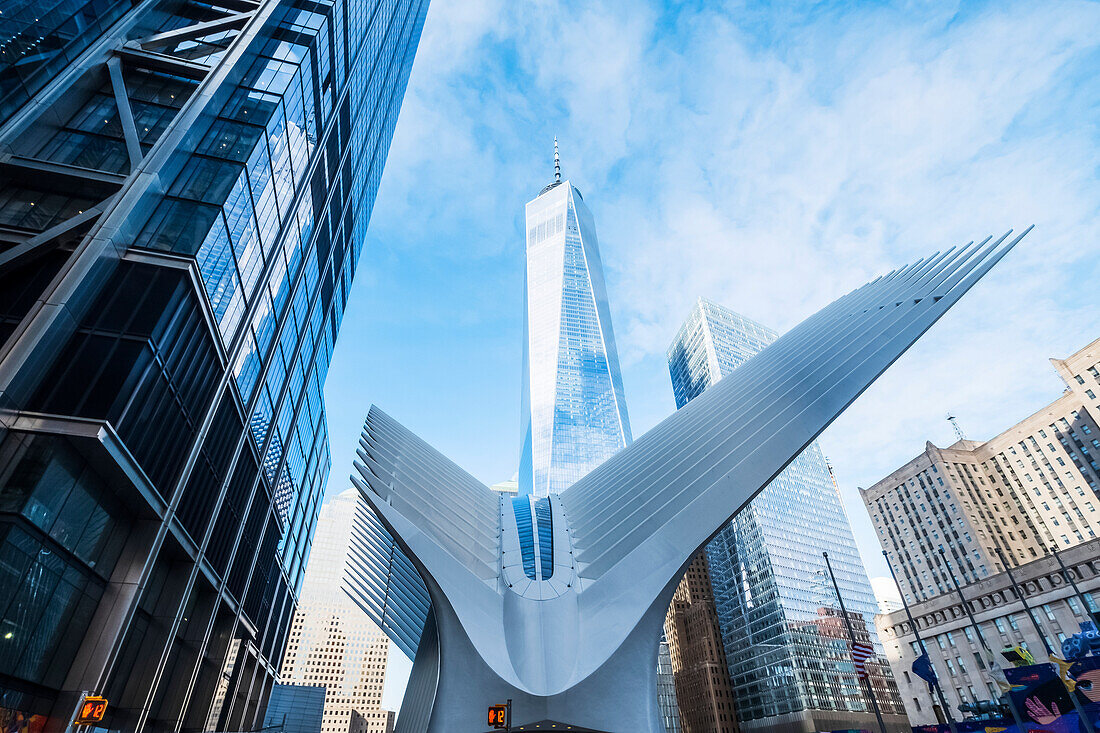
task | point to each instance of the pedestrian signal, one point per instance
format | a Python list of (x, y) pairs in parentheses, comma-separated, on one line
[(91, 711), (498, 716)]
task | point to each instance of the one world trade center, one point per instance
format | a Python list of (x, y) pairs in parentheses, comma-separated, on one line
[(573, 412)]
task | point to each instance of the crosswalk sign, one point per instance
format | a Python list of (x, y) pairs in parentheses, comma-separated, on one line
[(498, 716)]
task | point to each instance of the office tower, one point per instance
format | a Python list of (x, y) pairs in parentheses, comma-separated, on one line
[(184, 192), (704, 694), (332, 642), (788, 666), (573, 413), (955, 648), (1033, 486), (296, 709), (557, 604), (666, 690)]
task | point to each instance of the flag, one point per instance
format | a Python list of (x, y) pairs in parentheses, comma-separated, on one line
[(922, 667), (861, 652)]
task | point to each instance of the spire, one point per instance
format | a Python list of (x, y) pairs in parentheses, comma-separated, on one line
[(955, 424), (557, 162)]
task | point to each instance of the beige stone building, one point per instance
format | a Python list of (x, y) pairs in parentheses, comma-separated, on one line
[(1017, 494), (332, 642), (954, 645)]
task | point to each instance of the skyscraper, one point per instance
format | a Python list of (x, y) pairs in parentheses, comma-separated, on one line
[(704, 695), (573, 411), (332, 641), (184, 193), (788, 664)]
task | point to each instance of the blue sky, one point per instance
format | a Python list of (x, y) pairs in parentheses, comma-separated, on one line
[(771, 158)]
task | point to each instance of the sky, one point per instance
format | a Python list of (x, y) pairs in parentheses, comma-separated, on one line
[(769, 157)]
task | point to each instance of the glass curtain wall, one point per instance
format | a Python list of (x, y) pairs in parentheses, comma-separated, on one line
[(168, 447)]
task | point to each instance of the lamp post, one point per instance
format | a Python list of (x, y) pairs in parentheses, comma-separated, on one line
[(992, 659), (923, 649)]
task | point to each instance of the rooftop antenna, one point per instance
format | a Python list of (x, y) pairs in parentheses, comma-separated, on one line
[(557, 162), (955, 424)]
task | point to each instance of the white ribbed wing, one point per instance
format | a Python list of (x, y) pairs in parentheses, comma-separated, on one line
[(650, 506), (446, 504)]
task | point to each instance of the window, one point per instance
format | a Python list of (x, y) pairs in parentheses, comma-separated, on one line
[(1013, 623), (1048, 611), (979, 661), (50, 606), (1074, 606), (1000, 624), (969, 634)]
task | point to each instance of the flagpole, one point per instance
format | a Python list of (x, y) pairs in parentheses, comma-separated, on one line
[(923, 649), (852, 636), (992, 660), (1082, 718)]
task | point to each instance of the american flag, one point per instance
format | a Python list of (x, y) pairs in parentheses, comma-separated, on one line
[(860, 654)]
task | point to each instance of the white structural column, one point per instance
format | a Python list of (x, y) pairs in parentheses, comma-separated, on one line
[(585, 654)]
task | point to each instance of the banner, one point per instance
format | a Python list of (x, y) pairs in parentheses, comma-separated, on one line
[(1042, 700)]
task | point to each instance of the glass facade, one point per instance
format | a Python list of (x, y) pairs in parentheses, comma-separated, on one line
[(163, 445), (296, 709), (573, 410), (40, 38), (787, 650)]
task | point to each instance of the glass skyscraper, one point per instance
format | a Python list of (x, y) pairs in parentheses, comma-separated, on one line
[(788, 652), (184, 193), (573, 411)]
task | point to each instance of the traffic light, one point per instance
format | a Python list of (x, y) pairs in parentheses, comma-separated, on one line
[(91, 710), (498, 716)]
